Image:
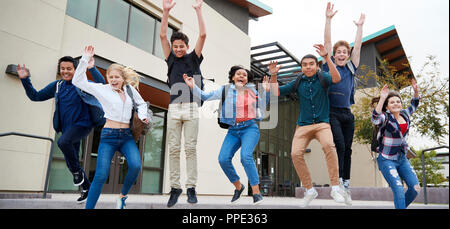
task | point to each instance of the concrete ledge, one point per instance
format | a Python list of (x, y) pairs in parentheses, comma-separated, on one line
[(434, 195), (23, 196)]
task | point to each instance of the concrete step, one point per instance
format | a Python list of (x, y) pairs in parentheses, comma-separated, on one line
[(108, 201)]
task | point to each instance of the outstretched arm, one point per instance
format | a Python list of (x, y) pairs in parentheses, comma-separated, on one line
[(167, 6), (327, 36), (46, 93), (335, 76), (358, 40), (202, 29)]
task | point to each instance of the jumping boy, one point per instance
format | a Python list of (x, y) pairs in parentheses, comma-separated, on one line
[(313, 121), (341, 95), (183, 109), (72, 115)]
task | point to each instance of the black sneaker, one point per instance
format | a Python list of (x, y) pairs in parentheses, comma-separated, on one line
[(78, 178), (83, 197), (174, 194), (257, 198), (237, 193), (192, 198)]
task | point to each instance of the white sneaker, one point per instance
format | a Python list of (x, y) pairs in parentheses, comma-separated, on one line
[(309, 197), (338, 196), (348, 197)]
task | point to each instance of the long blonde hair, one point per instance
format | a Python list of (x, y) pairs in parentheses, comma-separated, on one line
[(128, 74)]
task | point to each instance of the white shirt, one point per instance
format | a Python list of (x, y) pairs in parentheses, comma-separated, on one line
[(113, 106)]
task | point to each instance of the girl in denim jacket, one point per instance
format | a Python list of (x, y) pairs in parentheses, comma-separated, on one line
[(394, 123), (241, 111)]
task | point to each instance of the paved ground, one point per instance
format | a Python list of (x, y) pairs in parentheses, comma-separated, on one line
[(107, 201)]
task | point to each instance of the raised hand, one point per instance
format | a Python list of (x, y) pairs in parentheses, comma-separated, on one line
[(22, 71), (168, 4), (384, 92), (361, 21), (189, 80), (198, 4), (321, 50), (91, 63), (89, 51), (415, 87), (273, 68), (329, 12)]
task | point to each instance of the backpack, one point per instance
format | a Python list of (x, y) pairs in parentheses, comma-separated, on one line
[(96, 113), (377, 135), (222, 101), (138, 127)]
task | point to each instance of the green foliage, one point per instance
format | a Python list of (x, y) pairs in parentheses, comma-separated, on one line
[(432, 167)]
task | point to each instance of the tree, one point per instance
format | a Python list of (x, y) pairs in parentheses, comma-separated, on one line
[(432, 167), (432, 116)]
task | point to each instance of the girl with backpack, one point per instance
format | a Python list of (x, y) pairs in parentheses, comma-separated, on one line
[(116, 134), (394, 123), (239, 114)]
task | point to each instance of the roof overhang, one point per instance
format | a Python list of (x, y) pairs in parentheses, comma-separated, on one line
[(255, 8)]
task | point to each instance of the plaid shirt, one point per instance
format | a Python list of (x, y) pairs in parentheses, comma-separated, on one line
[(393, 142)]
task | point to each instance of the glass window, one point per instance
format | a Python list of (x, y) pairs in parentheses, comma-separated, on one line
[(113, 18), (158, 49), (154, 144), (150, 181), (61, 178), (142, 30), (83, 10)]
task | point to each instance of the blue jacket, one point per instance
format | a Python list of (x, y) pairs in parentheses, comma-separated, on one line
[(96, 110), (228, 113)]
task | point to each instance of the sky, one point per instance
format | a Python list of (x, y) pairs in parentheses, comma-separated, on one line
[(422, 25)]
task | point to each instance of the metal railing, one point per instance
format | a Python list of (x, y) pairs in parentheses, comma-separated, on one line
[(49, 157), (424, 180)]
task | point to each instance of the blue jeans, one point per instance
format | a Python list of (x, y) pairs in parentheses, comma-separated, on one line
[(69, 143), (394, 171), (113, 140), (244, 135)]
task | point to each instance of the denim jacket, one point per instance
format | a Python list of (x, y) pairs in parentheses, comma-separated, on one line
[(50, 92), (228, 113)]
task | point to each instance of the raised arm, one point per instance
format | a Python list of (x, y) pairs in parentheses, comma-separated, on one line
[(273, 69), (79, 78), (356, 53), (46, 93), (383, 95), (167, 6), (335, 76), (329, 13), (196, 91), (202, 29)]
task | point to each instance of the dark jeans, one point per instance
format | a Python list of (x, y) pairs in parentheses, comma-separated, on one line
[(69, 143), (342, 124)]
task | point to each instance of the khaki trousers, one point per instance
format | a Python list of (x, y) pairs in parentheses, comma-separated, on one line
[(182, 117), (302, 137)]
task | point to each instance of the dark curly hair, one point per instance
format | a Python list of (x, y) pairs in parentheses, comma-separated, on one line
[(179, 36), (233, 71)]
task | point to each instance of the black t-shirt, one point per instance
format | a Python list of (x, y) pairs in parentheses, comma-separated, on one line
[(189, 64)]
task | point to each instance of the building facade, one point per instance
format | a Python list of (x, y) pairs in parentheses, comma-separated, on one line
[(38, 33)]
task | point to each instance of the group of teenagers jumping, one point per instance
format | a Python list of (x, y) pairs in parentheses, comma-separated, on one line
[(324, 95)]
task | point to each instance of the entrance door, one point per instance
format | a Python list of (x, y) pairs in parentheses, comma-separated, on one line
[(118, 169), (268, 173)]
